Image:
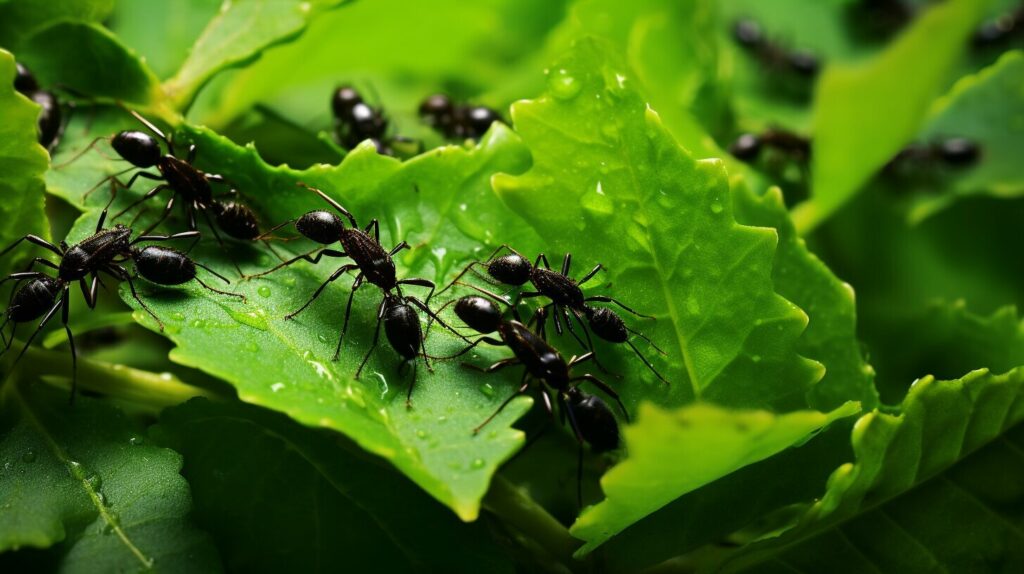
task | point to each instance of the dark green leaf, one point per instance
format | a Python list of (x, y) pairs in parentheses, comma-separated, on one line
[(81, 478), (22, 164), (20, 19)]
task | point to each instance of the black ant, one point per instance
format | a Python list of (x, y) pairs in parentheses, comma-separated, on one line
[(957, 153), (375, 265), (457, 121), (104, 251), (566, 297), (186, 182), (1000, 30), (748, 148), (358, 121), (589, 417), (50, 123), (749, 36)]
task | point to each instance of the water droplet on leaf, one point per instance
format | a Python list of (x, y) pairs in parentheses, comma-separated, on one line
[(264, 291)]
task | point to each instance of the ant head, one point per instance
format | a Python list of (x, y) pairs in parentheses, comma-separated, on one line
[(512, 269), (480, 119), (321, 226), (607, 324), (747, 33), (437, 109), (746, 147), (138, 148), (595, 420), (24, 81), (366, 121), (343, 100), (959, 152), (481, 314), (804, 63), (237, 220)]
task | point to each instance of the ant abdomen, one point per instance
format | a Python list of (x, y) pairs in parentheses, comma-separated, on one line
[(607, 325), (139, 148), (480, 314), (164, 266), (512, 269), (595, 421), (959, 151), (321, 226), (237, 220), (402, 327), (24, 81), (33, 299)]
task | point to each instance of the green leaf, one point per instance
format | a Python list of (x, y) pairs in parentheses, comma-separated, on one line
[(22, 164), (799, 276), (81, 478), (89, 59), (238, 35), (936, 487), (987, 108), (162, 32), (606, 171), (357, 514), (867, 112), (20, 19), (675, 452)]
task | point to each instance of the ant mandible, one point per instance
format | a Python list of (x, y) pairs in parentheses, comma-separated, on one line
[(567, 299), (104, 251)]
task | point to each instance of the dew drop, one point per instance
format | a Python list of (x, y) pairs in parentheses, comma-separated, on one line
[(135, 441), (442, 419), (251, 346), (716, 208), (422, 434), (29, 456), (276, 387), (264, 291), (198, 323), (176, 316), (563, 86), (693, 306), (477, 463), (172, 329), (321, 337), (755, 358), (487, 389), (256, 319), (597, 202)]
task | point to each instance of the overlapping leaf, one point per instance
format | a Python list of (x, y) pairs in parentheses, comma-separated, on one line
[(22, 164), (674, 452), (361, 514), (20, 19), (936, 487), (606, 170), (82, 480)]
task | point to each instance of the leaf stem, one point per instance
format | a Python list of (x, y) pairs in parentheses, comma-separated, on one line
[(515, 508), (154, 390)]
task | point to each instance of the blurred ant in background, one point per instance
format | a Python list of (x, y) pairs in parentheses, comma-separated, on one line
[(926, 161), (457, 121), (1001, 30), (773, 55), (50, 123), (356, 121)]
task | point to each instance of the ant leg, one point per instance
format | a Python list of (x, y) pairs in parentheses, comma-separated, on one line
[(216, 235), (218, 276), (574, 425), (149, 125), (191, 157), (348, 312), (605, 299), (649, 341), (375, 226), (89, 292), (419, 282), (266, 233), (522, 389), (163, 216), (332, 203), (376, 337), (646, 362), (488, 340), (151, 193), (194, 234), (412, 383), (85, 150), (566, 264), (337, 273), (135, 295), (46, 319), (498, 298), (208, 288), (433, 317), (34, 240), (303, 257), (112, 178), (495, 367), (137, 175), (603, 386), (397, 248), (71, 342), (590, 275)]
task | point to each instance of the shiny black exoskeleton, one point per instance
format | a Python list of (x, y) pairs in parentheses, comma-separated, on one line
[(589, 418), (567, 299), (749, 35), (748, 146), (457, 121), (357, 120), (374, 264), (919, 159), (51, 122), (103, 252)]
